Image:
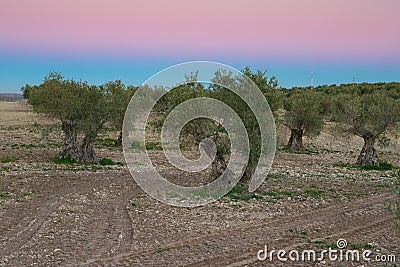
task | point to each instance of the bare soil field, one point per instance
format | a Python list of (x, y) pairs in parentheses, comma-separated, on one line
[(93, 215)]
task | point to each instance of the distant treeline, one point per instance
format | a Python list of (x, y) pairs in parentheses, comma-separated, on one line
[(11, 97), (392, 88)]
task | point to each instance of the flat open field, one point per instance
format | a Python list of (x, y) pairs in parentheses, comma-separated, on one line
[(74, 214)]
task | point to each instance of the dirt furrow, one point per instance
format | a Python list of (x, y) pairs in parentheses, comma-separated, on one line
[(253, 235)]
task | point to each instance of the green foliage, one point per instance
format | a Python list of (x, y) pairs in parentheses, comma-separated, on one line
[(244, 112), (198, 129), (7, 159), (153, 146), (117, 97), (106, 142), (367, 115), (107, 161), (26, 91), (161, 250), (269, 87), (383, 166), (313, 193), (238, 189), (65, 160), (392, 89), (81, 108), (305, 110), (239, 192), (58, 98), (95, 113)]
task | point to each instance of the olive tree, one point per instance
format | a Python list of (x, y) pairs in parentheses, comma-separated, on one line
[(118, 97), (268, 85), (368, 116), (201, 128), (269, 88), (82, 109), (304, 114), (26, 90), (63, 100), (95, 113)]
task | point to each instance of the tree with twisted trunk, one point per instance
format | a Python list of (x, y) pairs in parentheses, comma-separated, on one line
[(81, 108), (63, 100), (274, 96), (368, 116), (304, 114)]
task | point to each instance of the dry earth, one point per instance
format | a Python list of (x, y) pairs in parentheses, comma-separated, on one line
[(73, 214)]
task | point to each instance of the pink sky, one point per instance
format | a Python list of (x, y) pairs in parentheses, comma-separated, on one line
[(295, 29)]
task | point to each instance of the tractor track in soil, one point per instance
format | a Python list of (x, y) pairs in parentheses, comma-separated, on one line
[(239, 246)]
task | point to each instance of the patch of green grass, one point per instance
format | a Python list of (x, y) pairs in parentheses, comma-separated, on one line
[(153, 146), (239, 193), (238, 189), (304, 233), (105, 142), (66, 160), (315, 193), (94, 168), (133, 204), (4, 194), (107, 161), (160, 250), (368, 246), (8, 159), (383, 166)]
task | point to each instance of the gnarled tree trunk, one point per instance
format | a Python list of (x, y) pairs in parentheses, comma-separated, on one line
[(86, 150), (70, 148), (218, 167), (296, 140), (219, 164), (118, 142), (368, 155)]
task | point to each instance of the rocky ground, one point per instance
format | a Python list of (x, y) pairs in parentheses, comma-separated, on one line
[(94, 215)]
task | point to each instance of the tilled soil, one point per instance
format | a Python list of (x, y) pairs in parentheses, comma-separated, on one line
[(84, 215)]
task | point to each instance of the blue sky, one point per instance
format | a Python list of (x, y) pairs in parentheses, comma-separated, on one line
[(17, 71)]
